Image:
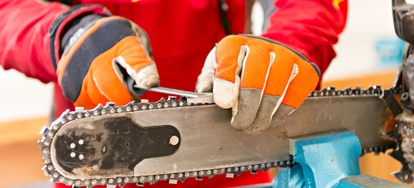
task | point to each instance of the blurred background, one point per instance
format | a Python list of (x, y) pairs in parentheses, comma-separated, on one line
[(369, 52)]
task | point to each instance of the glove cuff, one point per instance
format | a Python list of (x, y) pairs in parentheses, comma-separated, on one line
[(68, 22)]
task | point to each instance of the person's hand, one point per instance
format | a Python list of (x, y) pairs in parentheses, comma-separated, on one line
[(89, 70), (258, 78)]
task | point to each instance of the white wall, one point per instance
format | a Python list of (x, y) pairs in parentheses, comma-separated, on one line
[(368, 20), (22, 97)]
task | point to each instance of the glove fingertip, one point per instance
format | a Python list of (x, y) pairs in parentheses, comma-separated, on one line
[(147, 77), (148, 81), (225, 93), (204, 86)]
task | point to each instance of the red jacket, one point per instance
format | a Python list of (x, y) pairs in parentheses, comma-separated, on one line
[(181, 32)]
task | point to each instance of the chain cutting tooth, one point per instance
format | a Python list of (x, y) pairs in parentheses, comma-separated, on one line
[(55, 125), (79, 115), (331, 91), (63, 118), (376, 151), (349, 91), (87, 183), (263, 167), (229, 173), (197, 176), (110, 181), (46, 157), (311, 94), (357, 90), (180, 176), (119, 109), (41, 144), (135, 107), (97, 110), (127, 180), (156, 177), (45, 171), (79, 109), (140, 184), (237, 170), (173, 179), (69, 182), (172, 98), (77, 183), (44, 130), (129, 107), (253, 169), (315, 93), (323, 91), (109, 105), (151, 180), (378, 90), (70, 116), (144, 106), (134, 179), (112, 110), (371, 90), (61, 179)]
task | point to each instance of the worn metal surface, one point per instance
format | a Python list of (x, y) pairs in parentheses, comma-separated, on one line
[(210, 146)]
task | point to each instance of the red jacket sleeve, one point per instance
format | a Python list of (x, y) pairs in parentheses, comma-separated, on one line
[(310, 27), (30, 38)]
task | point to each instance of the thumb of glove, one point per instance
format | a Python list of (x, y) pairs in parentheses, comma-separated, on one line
[(144, 78)]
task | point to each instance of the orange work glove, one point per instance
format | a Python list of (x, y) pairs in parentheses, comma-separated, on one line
[(90, 71), (258, 78)]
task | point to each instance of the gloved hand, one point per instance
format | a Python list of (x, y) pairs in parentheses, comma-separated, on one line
[(89, 70), (258, 78)]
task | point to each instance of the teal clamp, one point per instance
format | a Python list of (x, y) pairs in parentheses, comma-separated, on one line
[(328, 160), (321, 161)]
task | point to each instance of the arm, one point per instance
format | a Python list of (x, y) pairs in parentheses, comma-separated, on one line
[(76, 47), (309, 27), (28, 41)]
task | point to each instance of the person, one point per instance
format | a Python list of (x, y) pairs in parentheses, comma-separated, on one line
[(78, 47)]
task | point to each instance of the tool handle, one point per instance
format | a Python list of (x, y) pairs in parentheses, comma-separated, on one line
[(204, 97)]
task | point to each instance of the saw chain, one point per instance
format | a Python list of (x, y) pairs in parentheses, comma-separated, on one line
[(92, 147)]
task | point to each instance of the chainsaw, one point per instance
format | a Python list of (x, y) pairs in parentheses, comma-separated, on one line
[(166, 140), (188, 136)]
